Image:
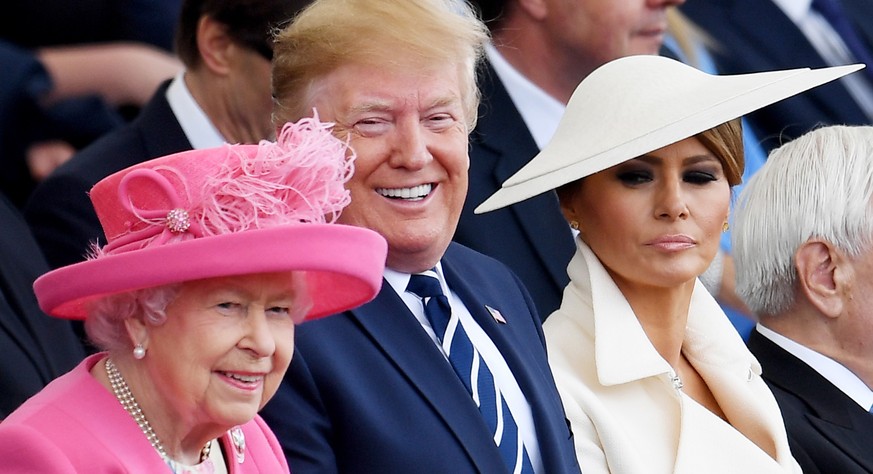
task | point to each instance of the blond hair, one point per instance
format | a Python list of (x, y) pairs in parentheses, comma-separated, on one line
[(383, 33)]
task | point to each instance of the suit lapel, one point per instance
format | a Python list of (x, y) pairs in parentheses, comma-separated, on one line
[(851, 441), (399, 335), (506, 135), (832, 413), (159, 128), (502, 335)]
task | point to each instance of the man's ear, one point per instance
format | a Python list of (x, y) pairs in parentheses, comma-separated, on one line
[(214, 45), (823, 274)]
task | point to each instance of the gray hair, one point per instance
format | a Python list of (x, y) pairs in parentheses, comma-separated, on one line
[(105, 323), (817, 186)]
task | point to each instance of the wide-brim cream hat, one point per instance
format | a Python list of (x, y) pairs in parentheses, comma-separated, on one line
[(637, 104)]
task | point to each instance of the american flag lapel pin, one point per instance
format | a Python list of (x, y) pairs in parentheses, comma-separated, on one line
[(496, 315)]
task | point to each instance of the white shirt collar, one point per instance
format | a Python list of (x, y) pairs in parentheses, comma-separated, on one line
[(540, 111), (622, 350), (399, 280), (199, 130), (833, 371)]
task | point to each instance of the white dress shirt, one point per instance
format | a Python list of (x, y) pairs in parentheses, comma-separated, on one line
[(199, 130), (540, 111), (835, 373), (503, 377)]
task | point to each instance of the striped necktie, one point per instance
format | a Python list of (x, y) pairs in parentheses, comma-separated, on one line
[(472, 370)]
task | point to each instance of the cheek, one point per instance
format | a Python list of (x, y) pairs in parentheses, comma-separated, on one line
[(716, 204), (369, 156), (610, 232), (281, 360), (452, 154), (608, 210), (283, 334)]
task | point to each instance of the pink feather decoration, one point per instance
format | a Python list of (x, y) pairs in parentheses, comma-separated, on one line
[(298, 179)]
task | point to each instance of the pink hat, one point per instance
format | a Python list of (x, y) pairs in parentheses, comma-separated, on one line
[(233, 210)]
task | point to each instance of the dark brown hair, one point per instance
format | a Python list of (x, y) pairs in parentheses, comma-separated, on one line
[(250, 23)]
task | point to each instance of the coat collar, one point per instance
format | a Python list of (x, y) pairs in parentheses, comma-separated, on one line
[(623, 353), (710, 341)]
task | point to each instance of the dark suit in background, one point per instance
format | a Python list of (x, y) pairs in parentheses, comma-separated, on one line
[(368, 391), (531, 237), (36, 348), (755, 35), (60, 212), (828, 431), (38, 23), (859, 12), (26, 118)]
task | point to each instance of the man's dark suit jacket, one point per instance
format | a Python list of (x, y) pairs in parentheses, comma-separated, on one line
[(368, 391), (59, 211), (755, 35), (827, 431), (530, 237), (35, 348)]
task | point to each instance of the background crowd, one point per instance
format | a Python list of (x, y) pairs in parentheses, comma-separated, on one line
[(444, 103)]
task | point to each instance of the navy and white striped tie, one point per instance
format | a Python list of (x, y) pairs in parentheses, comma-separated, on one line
[(472, 370)]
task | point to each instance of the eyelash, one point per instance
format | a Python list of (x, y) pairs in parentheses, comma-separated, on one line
[(699, 177), (228, 306), (638, 177), (278, 309)]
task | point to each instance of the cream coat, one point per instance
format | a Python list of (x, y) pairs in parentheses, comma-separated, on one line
[(619, 393)]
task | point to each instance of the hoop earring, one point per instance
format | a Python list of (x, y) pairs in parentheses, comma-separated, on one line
[(139, 352)]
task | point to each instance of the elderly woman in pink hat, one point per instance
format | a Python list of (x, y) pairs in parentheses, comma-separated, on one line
[(653, 377), (212, 258)]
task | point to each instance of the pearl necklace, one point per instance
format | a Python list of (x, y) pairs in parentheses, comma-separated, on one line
[(128, 402)]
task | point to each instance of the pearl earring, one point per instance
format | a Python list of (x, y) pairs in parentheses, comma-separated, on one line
[(139, 352)]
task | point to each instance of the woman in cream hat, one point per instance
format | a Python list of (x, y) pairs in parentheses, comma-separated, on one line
[(212, 258), (653, 377)]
